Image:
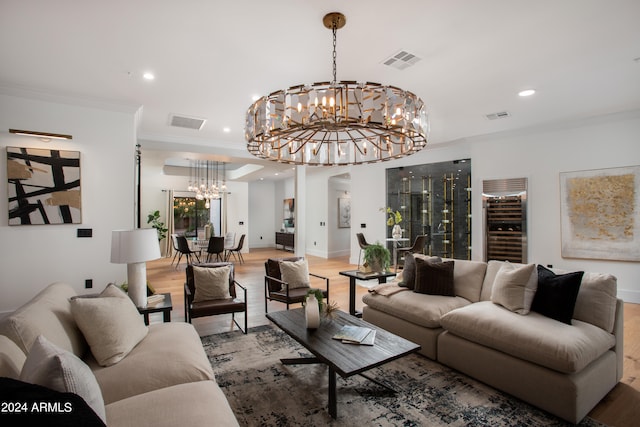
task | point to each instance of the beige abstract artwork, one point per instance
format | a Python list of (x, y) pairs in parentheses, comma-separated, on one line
[(601, 214)]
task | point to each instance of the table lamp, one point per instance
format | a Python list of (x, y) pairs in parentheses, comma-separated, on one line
[(134, 248)]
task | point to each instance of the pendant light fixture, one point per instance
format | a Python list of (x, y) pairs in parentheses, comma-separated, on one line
[(337, 122)]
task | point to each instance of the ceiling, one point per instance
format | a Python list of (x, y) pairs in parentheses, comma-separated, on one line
[(210, 57)]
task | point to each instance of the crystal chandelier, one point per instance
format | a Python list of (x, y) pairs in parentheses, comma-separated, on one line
[(205, 183), (337, 122)]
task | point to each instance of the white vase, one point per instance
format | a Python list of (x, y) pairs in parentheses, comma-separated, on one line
[(396, 231), (312, 312)]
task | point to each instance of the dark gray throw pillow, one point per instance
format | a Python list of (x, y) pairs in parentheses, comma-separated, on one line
[(434, 278), (557, 293)]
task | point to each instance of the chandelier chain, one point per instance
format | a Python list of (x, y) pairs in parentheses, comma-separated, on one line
[(335, 30)]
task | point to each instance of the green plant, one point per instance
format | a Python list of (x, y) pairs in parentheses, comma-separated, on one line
[(377, 253), (393, 217), (154, 219)]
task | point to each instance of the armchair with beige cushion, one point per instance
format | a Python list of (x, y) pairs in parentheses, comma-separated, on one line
[(288, 280), (210, 289)]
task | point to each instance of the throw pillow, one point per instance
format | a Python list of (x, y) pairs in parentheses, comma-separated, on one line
[(556, 295), (409, 268), (434, 278), (211, 283), (51, 366), (515, 287), (295, 274), (111, 325)]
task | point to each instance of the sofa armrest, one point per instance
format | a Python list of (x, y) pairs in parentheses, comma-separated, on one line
[(618, 331)]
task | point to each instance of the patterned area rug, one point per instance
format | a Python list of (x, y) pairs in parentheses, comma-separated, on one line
[(263, 392)]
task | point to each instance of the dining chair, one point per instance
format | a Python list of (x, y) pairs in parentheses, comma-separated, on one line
[(363, 245), (237, 250), (215, 247), (184, 249), (417, 247)]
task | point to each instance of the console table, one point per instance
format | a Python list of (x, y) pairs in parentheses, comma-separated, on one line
[(286, 240)]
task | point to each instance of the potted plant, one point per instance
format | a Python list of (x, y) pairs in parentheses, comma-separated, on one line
[(154, 219), (377, 258)]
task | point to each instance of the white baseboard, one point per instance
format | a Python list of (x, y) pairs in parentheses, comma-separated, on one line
[(629, 296)]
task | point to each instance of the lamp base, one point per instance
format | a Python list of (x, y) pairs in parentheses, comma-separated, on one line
[(137, 283)]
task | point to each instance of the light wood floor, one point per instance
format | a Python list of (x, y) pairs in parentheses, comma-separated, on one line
[(621, 407)]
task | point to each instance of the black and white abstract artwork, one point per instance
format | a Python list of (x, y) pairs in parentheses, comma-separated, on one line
[(44, 186)]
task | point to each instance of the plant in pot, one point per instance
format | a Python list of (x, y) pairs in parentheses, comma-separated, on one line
[(377, 258), (154, 219)]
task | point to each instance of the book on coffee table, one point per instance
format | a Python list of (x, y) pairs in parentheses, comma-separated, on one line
[(355, 335)]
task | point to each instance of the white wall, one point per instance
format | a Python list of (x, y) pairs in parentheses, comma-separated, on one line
[(263, 210), (37, 255), (537, 154)]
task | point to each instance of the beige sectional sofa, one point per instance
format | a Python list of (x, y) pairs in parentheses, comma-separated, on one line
[(165, 380), (565, 369)]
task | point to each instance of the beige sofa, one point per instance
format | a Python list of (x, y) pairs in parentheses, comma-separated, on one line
[(165, 380), (563, 369)]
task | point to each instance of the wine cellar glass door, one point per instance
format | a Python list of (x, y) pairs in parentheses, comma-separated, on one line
[(504, 204)]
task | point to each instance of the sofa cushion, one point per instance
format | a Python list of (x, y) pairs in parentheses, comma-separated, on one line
[(535, 338), (409, 268), (556, 295), (467, 278), (295, 274), (11, 358), (421, 309), (48, 314), (199, 403), (50, 366), (211, 283), (170, 354), (434, 278), (111, 325), (596, 302), (514, 287)]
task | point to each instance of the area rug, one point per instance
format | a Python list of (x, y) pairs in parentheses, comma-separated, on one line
[(263, 392)]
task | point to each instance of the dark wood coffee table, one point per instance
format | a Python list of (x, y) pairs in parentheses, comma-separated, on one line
[(343, 359)]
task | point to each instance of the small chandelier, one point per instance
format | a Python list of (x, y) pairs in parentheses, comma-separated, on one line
[(205, 183), (338, 122)]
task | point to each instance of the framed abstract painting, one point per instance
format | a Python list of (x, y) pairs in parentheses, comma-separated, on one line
[(44, 186), (600, 212)]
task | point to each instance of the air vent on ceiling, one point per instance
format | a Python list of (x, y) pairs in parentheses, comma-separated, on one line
[(401, 60), (499, 115), (186, 122)]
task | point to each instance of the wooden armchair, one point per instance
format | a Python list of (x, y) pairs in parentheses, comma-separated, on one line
[(275, 289), (213, 307)]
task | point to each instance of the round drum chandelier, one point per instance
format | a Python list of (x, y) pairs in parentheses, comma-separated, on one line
[(338, 122)]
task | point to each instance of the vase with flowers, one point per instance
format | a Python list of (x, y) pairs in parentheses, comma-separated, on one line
[(394, 218)]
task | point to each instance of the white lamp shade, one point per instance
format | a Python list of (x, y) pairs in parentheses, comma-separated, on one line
[(130, 246)]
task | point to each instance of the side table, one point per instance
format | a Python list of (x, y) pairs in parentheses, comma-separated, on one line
[(357, 274), (163, 307)]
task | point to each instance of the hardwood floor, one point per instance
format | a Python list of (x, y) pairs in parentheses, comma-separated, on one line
[(621, 407)]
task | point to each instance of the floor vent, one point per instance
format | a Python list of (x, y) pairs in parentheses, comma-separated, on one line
[(186, 122), (499, 115), (401, 60)]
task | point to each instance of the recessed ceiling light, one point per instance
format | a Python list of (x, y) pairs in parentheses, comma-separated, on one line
[(527, 92), (226, 130), (148, 76), (276, 174), (255, 98)]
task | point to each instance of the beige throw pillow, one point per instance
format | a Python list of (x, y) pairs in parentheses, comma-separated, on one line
[(295, 273), (51, 366), (211, 283), (111, 325), (515, 286)]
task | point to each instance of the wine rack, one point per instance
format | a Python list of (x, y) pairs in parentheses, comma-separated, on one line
[(505, 220)]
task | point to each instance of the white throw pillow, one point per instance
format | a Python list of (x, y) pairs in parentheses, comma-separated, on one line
[(295, 273), (111, 325), (211, 283), (515, 286), (51, 366)]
